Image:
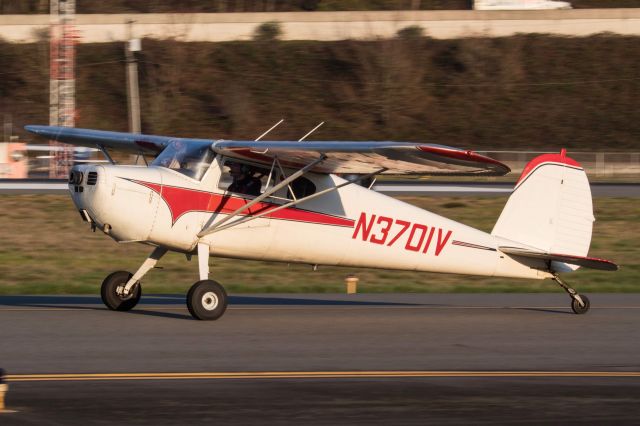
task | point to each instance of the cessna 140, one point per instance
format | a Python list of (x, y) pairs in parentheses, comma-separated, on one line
[(285, 201)]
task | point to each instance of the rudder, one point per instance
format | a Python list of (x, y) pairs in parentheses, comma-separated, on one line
[(550, 208)]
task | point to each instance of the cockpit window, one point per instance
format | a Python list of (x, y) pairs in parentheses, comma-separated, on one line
[(302, 187), (189, 158), (243, 178)]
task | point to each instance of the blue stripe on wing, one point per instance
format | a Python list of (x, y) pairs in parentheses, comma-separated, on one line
[(133, 142)]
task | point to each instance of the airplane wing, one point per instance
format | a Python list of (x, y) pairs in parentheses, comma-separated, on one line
[(587, 262), (398, 158), (348, 157), (130, 142)]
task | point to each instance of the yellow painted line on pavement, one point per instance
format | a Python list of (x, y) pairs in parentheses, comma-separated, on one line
[(45, 309), (268, 308), (312, 375)]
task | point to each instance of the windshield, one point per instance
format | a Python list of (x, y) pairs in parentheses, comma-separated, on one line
[(189, 158)]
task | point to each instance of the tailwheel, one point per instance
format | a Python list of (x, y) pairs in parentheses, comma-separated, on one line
[(112, 292), (207, 300), (580, 304)]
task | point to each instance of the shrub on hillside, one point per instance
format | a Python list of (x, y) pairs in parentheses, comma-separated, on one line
[(268, 31), (410, 32)]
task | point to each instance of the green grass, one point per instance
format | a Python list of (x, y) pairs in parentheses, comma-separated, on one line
[(46, 249)]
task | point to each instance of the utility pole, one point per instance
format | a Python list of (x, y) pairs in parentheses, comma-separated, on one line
[(133, 94), (8, 128)]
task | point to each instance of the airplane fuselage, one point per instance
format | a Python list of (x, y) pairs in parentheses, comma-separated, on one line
[(352, 226)]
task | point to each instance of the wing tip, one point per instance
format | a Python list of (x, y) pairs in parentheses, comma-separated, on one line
[(489, 163), (34, 128), (42, 130)]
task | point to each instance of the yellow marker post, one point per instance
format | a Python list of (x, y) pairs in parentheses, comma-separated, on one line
[(352, 284), (3, 390)]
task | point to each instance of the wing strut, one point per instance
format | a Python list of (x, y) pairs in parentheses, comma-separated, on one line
[(282, 173), (262, 196), (289, 204), (106, 154)]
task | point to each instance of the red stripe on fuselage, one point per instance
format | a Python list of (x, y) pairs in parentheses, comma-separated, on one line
[(184, 200)]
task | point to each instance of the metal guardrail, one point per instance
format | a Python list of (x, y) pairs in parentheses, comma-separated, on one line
[(600, 165), (407, 187), (596, 164)]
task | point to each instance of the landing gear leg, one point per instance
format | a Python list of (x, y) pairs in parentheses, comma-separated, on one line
[(206, 299), (579, 304), (203, 261), (121, 290)]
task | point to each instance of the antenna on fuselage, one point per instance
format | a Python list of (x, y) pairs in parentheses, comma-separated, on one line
[(270, 129), (311, 131), (264, 134)]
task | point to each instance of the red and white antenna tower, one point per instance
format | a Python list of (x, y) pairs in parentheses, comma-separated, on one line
[(62, 87)]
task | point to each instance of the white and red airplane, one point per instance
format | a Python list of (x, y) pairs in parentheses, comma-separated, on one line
[(284, 202)]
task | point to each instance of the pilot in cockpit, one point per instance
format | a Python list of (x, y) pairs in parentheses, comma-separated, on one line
[(244, 179)]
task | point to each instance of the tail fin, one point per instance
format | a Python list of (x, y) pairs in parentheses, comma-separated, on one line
[(550, 209)]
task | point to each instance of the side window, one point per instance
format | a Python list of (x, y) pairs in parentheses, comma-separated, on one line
[(242, 178), (301, 187)]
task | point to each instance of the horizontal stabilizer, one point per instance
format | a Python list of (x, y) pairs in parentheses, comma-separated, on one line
[(587, 262)]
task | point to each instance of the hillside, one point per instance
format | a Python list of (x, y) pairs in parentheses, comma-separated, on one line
[(521, 92)]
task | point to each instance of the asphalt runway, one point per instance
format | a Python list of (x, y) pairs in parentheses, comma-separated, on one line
[(323, 359)]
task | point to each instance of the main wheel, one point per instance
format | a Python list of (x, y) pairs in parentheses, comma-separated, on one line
[(110, 296), (575, 305), (207, 300)]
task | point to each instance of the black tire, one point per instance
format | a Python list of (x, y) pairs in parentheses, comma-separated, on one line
[(112, 299), (575, 305), (207, 300)]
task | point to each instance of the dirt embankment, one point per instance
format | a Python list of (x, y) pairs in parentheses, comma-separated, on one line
[(521, 92)]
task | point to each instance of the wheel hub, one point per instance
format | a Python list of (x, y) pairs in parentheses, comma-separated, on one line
[(209, 301), (120, 291)]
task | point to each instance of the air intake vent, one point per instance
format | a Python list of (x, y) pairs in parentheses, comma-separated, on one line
[(75, 177), (92, 178)]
